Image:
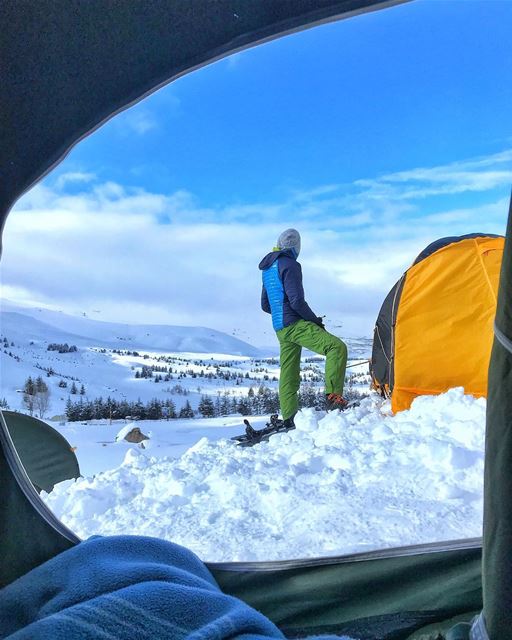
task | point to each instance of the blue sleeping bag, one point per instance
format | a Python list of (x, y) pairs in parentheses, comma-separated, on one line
[(126, 587)]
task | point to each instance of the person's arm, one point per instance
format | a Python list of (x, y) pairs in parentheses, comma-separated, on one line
[(265, 304), (292, 285)]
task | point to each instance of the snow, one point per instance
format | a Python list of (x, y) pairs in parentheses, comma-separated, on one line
[(102, 371), (100, 445), (42, 323), (341, 483)]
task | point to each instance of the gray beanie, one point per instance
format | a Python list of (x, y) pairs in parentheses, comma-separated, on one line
[(289, 239)]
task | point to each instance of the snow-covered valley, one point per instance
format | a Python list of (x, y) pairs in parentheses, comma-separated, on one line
[(128, 363), (339, 483)]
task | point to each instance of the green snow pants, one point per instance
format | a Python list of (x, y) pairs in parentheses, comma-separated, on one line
[(309, 335)]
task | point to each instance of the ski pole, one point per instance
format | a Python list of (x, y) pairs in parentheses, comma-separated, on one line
[(356, 364)]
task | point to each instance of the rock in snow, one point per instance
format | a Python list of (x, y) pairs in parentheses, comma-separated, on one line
[(340, 483), (132, 434)]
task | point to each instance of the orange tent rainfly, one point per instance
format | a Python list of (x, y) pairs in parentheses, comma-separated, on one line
[(435, 327)]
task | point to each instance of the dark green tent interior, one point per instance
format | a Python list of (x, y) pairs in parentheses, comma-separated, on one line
[(67, 66), (46, 455)]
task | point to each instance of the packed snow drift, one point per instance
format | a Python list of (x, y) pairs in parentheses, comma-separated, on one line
[(341, 483)]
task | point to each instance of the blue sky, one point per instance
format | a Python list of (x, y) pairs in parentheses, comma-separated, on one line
[(419, 84), (373, 136)]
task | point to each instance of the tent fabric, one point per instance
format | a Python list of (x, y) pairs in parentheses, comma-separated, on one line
[(443, 242), (497, 555), (29, 532), (45, 454), (67, 66), (382, 356), (387, 595), (456, 628), (444, 325), (438, 331)]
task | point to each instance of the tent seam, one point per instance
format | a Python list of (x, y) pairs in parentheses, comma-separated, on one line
[(479, 254)]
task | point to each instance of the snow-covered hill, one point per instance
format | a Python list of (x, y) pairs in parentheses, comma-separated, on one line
[(116, 335), (340, 483), (106, 359), (112, 360)]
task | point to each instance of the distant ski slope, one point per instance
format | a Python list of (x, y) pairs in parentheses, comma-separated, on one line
[(38, 324)]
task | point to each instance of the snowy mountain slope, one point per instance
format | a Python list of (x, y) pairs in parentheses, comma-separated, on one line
[(103, 362), (22, 328), (108, 364), (127, 336)]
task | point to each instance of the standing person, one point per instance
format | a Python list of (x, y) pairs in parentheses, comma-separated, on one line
[(297, 326)]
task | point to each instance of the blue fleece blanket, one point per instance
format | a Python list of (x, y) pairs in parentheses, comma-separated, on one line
[(126, 587)]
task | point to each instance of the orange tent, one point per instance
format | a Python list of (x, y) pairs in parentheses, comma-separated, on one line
[(435, 328)]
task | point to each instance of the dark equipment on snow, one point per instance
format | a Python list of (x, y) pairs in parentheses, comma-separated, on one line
[(68, 66), (255, 436)]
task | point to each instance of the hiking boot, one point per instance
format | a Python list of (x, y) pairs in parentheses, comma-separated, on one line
[(335, 401), (288, 424)]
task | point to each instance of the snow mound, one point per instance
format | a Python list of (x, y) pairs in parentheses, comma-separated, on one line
[(339, 483)]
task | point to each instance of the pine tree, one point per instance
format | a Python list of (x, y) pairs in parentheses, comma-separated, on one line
[(307, 396), (42, 397), (206, 407), (271, 402), (70, 411), (82, 390), (186, 411), (170, 408), (139, 410), (154, 410), (86, 410), (244, 407), (225, 405), (29, 395), (73, 389)]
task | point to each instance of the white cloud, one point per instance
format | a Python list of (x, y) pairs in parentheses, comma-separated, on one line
[(138, 120), (147, 257), (233, 61), (73, 177), (457, 177)]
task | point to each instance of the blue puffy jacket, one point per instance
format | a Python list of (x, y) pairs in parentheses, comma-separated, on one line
[(283, 294)]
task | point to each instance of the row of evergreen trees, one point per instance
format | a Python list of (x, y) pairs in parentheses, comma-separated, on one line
[(62, 348), (111, 409), (264, 401), (147, 371)]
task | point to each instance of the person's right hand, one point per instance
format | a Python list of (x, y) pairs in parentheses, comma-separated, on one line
[(320, 323)]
